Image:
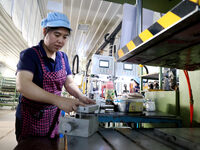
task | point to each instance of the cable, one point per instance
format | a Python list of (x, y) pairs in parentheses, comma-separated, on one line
[(191, 96)]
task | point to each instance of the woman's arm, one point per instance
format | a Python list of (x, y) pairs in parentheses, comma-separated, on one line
[(31, 91), (73, 89)]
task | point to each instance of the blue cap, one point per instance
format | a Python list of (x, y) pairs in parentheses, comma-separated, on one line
[(56, 19)]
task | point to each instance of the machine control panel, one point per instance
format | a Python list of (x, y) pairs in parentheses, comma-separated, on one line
[(125, 70), (102, 65)]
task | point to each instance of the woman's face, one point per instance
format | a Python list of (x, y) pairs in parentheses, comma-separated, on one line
[(55, 39)]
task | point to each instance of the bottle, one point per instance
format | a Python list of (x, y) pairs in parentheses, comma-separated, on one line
[(110, 91)]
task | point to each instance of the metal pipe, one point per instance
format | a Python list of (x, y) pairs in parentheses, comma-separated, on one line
[(138, 31), (65, 142), (76, 57), (160, 78), (141, 79), (111, 37), (139, 17)]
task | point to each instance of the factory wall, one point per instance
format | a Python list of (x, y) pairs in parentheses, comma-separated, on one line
[(168, 101), (165, 101)]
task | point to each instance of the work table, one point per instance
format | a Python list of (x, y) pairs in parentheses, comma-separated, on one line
[(124, 138), (141, 117)]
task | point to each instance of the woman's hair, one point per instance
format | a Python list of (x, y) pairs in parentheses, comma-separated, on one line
[(48, 29)]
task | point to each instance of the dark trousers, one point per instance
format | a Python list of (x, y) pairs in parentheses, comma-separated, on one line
[(18, 128)]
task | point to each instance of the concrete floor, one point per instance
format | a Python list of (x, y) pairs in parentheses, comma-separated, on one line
[(7, 129)]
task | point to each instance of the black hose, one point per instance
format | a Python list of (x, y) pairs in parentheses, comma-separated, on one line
[(77, 67), (146, 69), (105, 37), (86, 73), (87, 66)]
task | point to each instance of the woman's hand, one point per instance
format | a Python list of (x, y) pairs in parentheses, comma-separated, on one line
[(86, 100), (68, 104), (73, 89)]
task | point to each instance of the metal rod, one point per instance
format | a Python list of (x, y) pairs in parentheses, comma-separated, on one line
[(138, 31), (65, 142), (139, 17), (160, 78), (141, 79)]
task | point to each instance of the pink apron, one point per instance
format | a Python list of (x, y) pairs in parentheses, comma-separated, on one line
[(40, 119)]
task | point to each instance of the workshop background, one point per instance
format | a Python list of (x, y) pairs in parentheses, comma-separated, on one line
[(93, 22)]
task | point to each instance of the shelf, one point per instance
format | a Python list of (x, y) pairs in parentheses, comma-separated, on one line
[(153, 76), (172, 42), (13, 104), (8, 94)]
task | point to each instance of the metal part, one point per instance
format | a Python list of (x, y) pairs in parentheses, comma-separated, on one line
[(160, 78), (141, 81), (173, 45), (68, 126), (184, 137), (83, 127), (87, 109), (140, 117), (110, 38), (139, 16), (106, 106)]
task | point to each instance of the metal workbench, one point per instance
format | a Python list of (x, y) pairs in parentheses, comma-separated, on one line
[(122, 139), (144, 117)]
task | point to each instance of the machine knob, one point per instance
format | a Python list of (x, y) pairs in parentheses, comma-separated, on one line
[(68, 127)]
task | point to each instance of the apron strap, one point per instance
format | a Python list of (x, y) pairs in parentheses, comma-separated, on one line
[(62, 60), (40, 57)]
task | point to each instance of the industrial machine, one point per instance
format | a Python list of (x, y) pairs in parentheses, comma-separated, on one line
[(105, 70), (84, 124), (124, 74)]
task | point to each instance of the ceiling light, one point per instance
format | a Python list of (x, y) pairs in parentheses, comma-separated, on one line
[(84, 27)]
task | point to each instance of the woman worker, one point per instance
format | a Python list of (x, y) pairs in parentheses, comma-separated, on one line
[(42, 71)]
